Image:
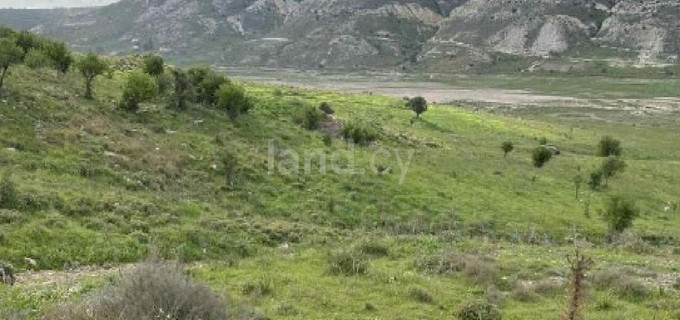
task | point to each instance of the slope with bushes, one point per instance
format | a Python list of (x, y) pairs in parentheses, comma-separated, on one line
[(86, 182)]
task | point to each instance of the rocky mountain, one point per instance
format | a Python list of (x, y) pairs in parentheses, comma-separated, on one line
[(341, 34)]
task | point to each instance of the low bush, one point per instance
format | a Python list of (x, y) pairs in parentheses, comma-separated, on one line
[(359, 133), (347, 263), (259, 288), (149, 291), (479, 310), (309, 118), (420, 295)]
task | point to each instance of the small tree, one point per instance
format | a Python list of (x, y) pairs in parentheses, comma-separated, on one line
[(418, 105), (578, 182), (611, 166), (541, 156), (579, 266), (10, 54), (609, 146), (154, 65), (620, 214), (59, 54), (139, 87), (232, 98), (507, 147), (90, 67)]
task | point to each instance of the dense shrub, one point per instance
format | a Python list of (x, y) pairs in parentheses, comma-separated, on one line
[(309, 118), (595, 179), (182, 89), (358, 133), (541, 156), (7, 276), (139, 87), (609, 146), (347, 263), (420, 295), (232, 99), (147, 292), (9, 197), (479, 310), (37, 59), (326, 108), (620, 214), (206, 83), (154, 65)]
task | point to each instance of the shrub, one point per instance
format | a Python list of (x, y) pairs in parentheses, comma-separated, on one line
[(595, 179), (418, 105), (347, 263), (10, 54), (374, 249), (420, 295), (326, 108), (7, 273), (36, 59), (578, 265), (541, 156), (206, 83), (543, 141), (260, 288), (182, 89), (479, 310), (524, 292), (154, 65), (9, 197), (90, 67), (309, 118), (620, 214), (507, 147), (609, 146), (147, 292), (358, 133), (139, 87), (232, 99)]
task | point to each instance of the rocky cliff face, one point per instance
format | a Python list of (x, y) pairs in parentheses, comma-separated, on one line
[(430, 34)]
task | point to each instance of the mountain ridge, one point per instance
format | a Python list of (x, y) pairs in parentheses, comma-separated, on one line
[(350, 34)]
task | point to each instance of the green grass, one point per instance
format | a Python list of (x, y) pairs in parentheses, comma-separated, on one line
[(99, 186)]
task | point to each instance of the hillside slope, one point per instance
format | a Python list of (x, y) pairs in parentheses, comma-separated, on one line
[(95, 185)]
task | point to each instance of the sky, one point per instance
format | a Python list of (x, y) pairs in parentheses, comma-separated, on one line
[(43, 4)]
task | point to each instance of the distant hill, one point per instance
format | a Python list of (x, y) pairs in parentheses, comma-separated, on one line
[(339, 34)]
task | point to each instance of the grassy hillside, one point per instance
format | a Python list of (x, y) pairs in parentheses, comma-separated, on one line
[(96, 186)]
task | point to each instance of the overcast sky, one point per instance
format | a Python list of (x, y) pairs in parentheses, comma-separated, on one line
[(41, 4)]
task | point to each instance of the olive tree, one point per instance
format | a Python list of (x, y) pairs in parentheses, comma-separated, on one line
[(507, 147), (90, 67), (182, 86), (139, 87), (611, 166), (418, 105), (609, 146), (61, 56), (10, 54)]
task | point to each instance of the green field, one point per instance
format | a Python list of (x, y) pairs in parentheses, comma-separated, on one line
[(101, 187)]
